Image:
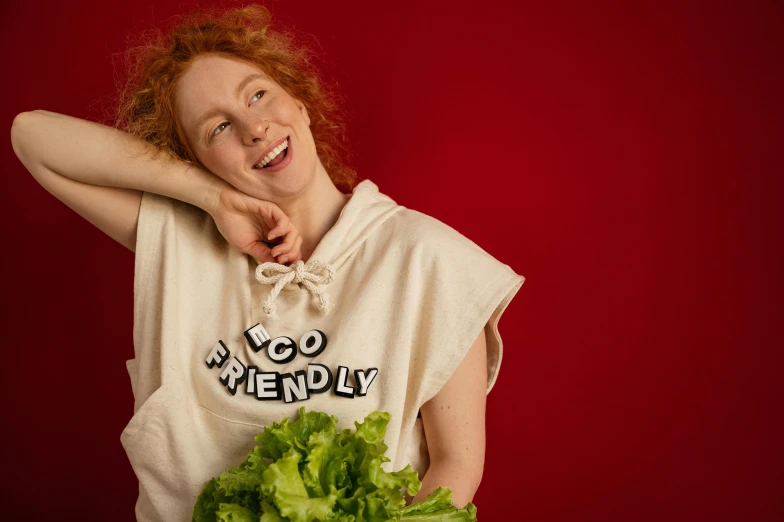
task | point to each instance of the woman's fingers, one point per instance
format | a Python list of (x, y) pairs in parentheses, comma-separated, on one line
[(281, 224), (281, 228), (261, 253), (278, 231), (297, 250), (283, 248), (289, 251), (286, 247), (295, 254)]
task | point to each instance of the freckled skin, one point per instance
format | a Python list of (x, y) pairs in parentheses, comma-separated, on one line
[(245, 126), (231, 141), (448, 431)]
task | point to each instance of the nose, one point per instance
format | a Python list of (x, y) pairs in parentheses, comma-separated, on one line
[(255, 130)]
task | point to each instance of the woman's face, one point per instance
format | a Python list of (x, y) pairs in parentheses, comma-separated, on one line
[(224, 106)]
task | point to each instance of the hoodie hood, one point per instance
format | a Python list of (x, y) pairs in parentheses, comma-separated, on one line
[(365, 211)]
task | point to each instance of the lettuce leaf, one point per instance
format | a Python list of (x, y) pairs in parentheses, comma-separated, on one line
[(307, 471), (235, 513), (438, 507)]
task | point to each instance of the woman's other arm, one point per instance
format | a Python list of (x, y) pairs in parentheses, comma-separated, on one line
[(454, 422), (100, 172)]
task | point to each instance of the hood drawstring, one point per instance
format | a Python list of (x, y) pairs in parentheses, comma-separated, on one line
[(298, 273)]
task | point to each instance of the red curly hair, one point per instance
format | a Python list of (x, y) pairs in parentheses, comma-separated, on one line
[(145, 105)]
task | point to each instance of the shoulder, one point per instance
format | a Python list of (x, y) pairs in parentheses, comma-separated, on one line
[(166, 223), (162, 207), (159, 214), (415, 220), (453, 264), (411, 229)]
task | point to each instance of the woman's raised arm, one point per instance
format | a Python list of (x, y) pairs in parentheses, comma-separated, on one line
[(100, 172)]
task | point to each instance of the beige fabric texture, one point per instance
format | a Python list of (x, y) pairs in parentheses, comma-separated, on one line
[(409, 296)]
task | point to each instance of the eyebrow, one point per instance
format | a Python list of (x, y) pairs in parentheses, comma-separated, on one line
[(212, 112)]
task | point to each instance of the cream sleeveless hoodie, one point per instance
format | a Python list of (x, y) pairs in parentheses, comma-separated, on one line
[(386, 308)]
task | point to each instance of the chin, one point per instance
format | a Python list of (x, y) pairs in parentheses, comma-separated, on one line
[(288, 183)]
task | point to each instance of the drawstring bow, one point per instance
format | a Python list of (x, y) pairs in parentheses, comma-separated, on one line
[(299, 272)]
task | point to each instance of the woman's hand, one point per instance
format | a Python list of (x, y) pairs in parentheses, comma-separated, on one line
[(251, 225)]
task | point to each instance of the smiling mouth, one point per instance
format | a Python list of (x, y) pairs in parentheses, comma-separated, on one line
[(277, 160)]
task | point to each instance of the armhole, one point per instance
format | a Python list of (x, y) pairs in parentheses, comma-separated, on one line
[(483, 312), (155, 214), (495, 345), (154, 211)]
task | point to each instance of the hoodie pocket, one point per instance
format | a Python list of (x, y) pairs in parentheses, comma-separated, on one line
[(175, 447), (151, 407)]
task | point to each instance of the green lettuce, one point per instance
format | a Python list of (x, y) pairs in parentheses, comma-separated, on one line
[(307, 471)]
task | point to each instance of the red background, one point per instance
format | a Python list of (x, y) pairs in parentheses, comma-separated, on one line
[(626, 159)]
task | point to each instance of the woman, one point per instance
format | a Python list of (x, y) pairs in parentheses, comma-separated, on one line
[(380, 307)]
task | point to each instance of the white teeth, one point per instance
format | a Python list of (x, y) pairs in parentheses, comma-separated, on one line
[(271, 156)]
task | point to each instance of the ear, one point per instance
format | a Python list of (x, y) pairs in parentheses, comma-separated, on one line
[(303, 110)]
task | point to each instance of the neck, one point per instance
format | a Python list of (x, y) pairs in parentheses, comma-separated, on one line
[(315, 211)]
